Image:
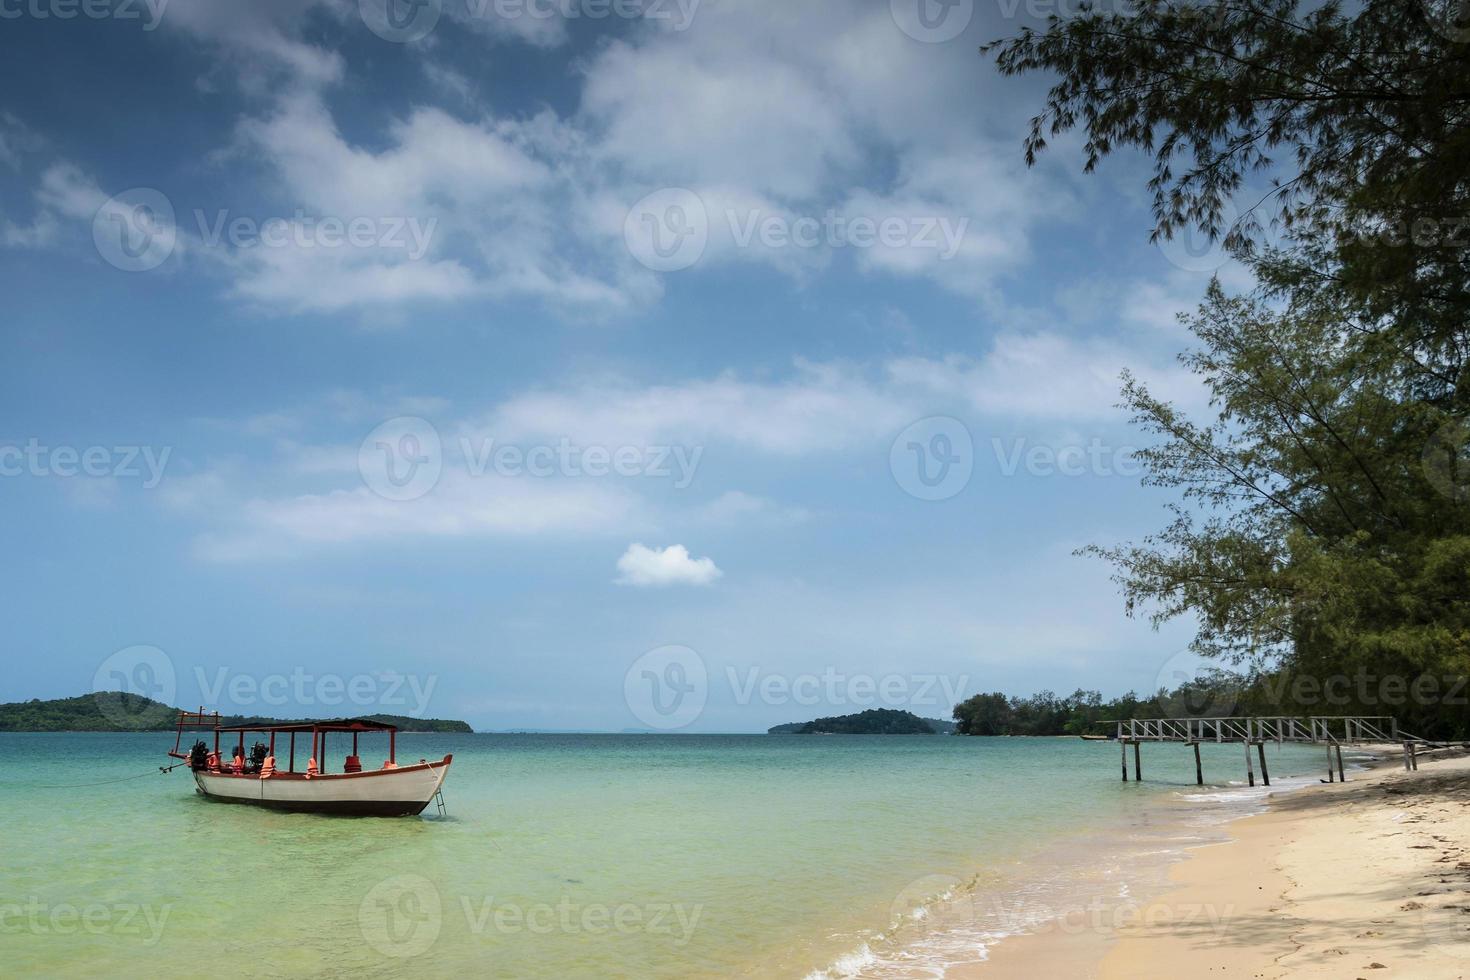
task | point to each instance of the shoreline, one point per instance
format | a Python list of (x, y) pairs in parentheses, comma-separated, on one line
[(1370, 878)]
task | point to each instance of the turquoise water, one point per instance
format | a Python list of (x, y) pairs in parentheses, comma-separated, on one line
[(564, 855)]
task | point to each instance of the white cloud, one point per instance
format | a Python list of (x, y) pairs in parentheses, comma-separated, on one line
[(820, 408), (460, 507), (1046, 376), (493, 196), (63, 192), (263, 37), (644, 566), (836, 411), (736, 508)]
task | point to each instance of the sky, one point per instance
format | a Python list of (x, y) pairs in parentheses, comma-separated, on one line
[(590, 364)]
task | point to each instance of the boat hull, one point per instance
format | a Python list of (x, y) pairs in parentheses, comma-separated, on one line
[(378, 793)]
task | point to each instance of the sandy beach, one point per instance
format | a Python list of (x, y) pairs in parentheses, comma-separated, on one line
[(1365, 879)]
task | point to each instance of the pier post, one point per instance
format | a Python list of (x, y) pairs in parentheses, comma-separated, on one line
[(1341, 776), (1137, 767), (1124, 746), (1199, 770), (1414, 756), (1330, 776), (1261, 750), (1250, 770), (1406, 757)]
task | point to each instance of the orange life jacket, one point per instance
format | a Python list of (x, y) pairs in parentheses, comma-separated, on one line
[(268, 767), (311, 769)]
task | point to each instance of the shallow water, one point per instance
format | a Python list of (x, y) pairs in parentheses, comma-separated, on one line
[(591, 855)]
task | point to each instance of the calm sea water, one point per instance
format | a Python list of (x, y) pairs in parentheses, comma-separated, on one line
[(582, 856)]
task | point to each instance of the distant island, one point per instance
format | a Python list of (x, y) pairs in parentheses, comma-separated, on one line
[(874, 721), (115, 711)]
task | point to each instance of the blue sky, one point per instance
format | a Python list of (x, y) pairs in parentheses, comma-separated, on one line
[(339, 308)]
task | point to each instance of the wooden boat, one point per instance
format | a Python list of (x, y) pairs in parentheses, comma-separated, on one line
[(257, 779), (1095, 738)]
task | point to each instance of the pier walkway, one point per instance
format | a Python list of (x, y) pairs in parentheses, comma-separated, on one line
[(1333, 731)]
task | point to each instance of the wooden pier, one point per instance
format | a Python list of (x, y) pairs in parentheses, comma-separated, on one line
[(1254, 733)]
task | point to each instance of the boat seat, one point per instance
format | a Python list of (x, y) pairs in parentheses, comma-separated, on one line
[(353, 764)]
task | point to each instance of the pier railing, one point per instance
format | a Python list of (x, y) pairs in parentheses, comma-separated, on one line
[(1333, 731)]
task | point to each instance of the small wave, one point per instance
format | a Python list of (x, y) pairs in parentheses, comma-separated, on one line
[(846, 965)]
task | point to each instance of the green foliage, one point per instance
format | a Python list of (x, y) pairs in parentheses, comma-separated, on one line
[(1324, 526), (874, 721), (106, 711), (115, 711)]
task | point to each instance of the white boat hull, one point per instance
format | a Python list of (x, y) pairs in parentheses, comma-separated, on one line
[(379, 792)]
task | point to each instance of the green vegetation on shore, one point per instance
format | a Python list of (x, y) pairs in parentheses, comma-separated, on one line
[(1321, 525), (874, 721), (113, 711)]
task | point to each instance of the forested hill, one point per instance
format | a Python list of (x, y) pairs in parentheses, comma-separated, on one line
[(874, 721), (113, 711)]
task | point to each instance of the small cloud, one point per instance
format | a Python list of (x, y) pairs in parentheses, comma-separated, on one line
[(644, 566)]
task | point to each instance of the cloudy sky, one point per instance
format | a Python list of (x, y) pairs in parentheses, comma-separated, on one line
[(592, 364)]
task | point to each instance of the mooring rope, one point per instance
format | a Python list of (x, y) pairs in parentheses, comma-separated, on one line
[(109, 782)]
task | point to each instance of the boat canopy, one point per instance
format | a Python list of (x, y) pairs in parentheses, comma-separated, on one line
[(211, 720), (193, 720)]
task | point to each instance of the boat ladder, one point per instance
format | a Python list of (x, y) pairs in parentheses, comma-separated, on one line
[(439, 802)]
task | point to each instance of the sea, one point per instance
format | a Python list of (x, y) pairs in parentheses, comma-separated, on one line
[(603, 856)]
